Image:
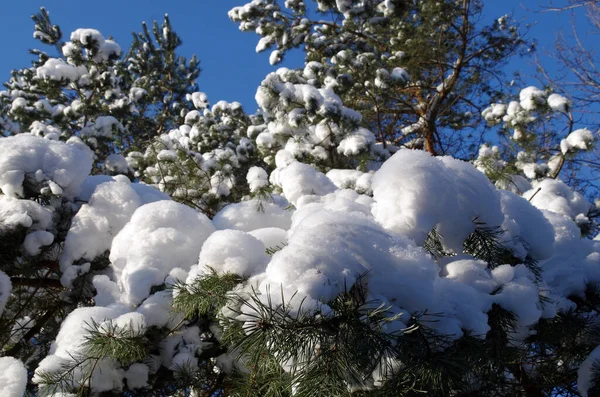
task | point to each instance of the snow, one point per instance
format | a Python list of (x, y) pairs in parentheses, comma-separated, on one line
[(299, 179), (554, 195), (351, 179), (69, 346), (400, 75), (584, 373), (5, 289), (91, 38), (526, 230), (129, 324), (95, 225), (531, 98), (271, 237), (67, 165), (57, 69), (251, 215), (521, 297), (233, 251), (575, 262), (88, 37), (26, 213), (581, 139), (257, 178), (558, 103), (275, 57), (158, 311), (159, 237), (327, 252), (137, 376), (199, 99), (319, 231), (35, 240), (115, 163), (13, 377), (102, 127), (415, 192), (356, 143)]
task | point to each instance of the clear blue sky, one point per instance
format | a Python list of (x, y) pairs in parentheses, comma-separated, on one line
[(231, 68)]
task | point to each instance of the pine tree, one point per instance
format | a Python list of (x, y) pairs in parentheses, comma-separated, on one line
[(419, 72)]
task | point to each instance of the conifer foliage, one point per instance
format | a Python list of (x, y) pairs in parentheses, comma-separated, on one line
[(154, 245)]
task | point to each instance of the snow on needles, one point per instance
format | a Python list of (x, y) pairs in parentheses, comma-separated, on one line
[(67, 165), (330, 232)]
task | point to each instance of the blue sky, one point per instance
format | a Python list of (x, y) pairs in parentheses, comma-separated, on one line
[(231, 68)]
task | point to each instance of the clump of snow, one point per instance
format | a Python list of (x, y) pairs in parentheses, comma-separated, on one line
[(232, 251), (67, 165), (554, 195), (257, 178), (251, 215), (299, 179), (199, 99), (99, 48), (531, 98), (137, 376), (344, 200), (158, 309), (327, 252), (356, 143), (115, 163), (103, 126), (34, 241), (129, 324), (558, 103), (271, 237), (584, 373), (69, 347), (275, 57), (575, 262), (351, 179), (526, 230), (400, 75), (13, 377), (581, 139), (159, 237), (57, 69), (5, 289), (26, 213), (415, 193), (98, 222)]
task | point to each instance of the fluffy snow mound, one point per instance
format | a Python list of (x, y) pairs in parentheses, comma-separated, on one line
[(232, 251), (67, 165), (556, 196), (299, 179), (98, 222), (159, 237), (251, 215), (327, 253), (415, 193), (13, 377)]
